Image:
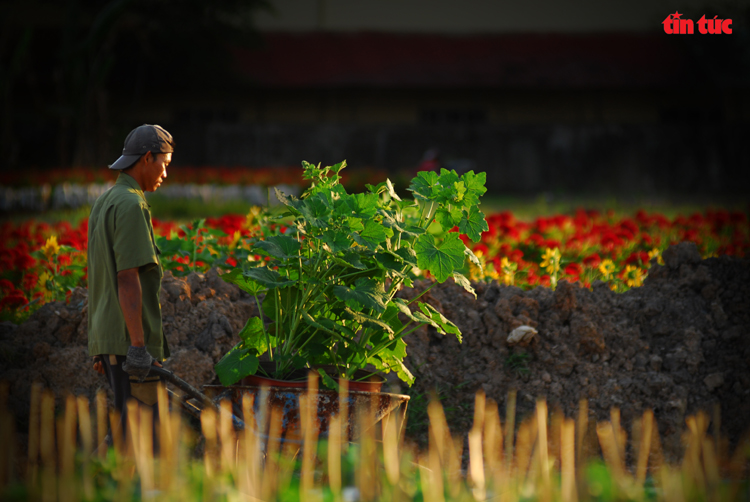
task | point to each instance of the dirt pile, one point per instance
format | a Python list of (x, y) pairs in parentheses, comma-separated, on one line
[(678, 344)]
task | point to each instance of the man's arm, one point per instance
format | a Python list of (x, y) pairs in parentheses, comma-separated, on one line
[(130, 296)]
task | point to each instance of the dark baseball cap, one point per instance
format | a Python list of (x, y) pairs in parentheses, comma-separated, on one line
[(142, 139)]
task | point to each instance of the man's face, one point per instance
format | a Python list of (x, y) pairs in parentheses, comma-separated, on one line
[(156, 170)]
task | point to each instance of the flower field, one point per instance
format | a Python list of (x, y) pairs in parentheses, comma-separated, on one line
[(41, 262)]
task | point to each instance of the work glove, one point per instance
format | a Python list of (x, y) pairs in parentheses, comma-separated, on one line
[(138, 362)]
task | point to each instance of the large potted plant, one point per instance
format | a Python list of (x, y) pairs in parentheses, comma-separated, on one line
[(327, 285)]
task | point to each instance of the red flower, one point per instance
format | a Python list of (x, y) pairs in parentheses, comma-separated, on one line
[(6, 286), (573, 270), (592, 260), (16, 298), (231, 261)]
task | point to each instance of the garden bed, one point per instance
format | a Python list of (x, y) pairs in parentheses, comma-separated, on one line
[(679, 343)]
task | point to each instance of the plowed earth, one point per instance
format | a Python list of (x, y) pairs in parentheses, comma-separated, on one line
[(678, 344)]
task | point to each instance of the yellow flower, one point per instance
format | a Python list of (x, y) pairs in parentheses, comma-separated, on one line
[(51, 248), (235, 238), (607, 268), (551, 260), (252, 216), (656, 253), (44, 279), (509, 271), (634, 276)]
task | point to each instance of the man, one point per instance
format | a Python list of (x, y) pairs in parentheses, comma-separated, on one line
[(125, 330)]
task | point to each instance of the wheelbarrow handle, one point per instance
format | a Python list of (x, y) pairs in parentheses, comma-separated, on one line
[(183, 386), (192, 392)]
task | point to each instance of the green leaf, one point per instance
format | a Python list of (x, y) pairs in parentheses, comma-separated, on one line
[(448, 218), (440, 319), (473, 224), (327, 380), (373, 234), (253, 335), (236, 276), (360, 205), (235, 365), (462, 281), (424, 185), (279, 246), (367, 321), (364, 293), (336, 241), (169, 246), (269, 278), (474, 187), (440, 259)]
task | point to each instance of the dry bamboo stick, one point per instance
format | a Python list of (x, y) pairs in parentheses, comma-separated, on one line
[(510, 430), (567, 460), (145, 451), (334, 457), (582, 427), (610, 450), (391, 457), (47, 447), (308, 416), (541, 420), (476, 464), (493, 440), (271, 468), (249, 475), (87, 444), (32, 469), (101, 423), (227, 438), (644, 450)]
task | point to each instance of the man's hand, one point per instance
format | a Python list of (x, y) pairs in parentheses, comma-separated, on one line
[(138, 362), (98, 365)]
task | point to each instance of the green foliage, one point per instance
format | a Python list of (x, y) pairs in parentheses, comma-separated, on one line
[(518, 363), (328, 285)]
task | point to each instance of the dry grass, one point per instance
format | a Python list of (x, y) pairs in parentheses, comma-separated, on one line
[(548, 457)]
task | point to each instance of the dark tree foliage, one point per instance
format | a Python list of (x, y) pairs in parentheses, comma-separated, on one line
[(65, 65)]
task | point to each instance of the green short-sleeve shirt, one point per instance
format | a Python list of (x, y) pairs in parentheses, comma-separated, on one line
[(121, 237)]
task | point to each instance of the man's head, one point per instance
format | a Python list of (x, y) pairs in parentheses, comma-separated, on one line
[(146, 155)]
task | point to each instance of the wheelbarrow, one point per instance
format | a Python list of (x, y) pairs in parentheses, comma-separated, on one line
[(284, 404)]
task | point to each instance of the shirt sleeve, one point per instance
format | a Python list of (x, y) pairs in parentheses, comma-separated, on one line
[(132, 243)]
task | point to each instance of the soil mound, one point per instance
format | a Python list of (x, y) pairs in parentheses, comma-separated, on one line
[(679, 343)]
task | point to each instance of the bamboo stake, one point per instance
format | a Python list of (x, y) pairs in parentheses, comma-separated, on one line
[(334, 457), (644, 450), (476, 465), (32, 469), (251, 474), (510, 430), (271, 469), (541, 417), (101, 424), (366, 474), (208, 427), (47, 447), (165, 440), (145, 451), (391, 457), (620, 435), (308, 412), (346, 429), (567, 460), (438, 428), (493, 441), (227, 438), (524, 443), (87, 444), (581, 428), (605, 432)]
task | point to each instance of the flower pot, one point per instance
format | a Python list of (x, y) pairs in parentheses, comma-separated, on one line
[(282, 400), (363, 380)]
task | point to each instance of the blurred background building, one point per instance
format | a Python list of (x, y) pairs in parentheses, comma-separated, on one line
[(574, 96)]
